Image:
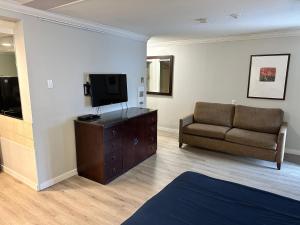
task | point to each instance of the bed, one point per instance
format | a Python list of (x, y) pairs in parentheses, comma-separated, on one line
[(196, 199)]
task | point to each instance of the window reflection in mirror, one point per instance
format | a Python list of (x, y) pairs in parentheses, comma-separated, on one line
[(160, 75), (10, 102)]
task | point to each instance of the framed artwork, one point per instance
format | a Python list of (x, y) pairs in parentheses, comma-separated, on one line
[(268, 76)]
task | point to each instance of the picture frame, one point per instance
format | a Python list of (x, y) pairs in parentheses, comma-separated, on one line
[(268, 75)]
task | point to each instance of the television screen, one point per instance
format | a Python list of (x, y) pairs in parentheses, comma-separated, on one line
[(108, 89), (10, 101)]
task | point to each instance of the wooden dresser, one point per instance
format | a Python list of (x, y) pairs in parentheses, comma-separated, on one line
[(112, 145)]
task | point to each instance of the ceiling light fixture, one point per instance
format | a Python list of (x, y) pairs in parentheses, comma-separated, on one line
[(201, 20), (234, 16), (6, 44)]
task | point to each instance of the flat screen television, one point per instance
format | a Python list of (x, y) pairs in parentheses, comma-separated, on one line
[(10, 101), (108, 89)]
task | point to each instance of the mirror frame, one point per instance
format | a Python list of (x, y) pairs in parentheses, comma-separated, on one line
[(171, 58)]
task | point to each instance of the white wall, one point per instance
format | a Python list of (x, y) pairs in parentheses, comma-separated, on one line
[(218, 72), (66, 55)]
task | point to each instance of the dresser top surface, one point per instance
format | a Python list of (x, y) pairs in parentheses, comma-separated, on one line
[(114, 117)]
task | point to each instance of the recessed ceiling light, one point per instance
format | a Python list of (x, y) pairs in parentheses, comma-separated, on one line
[(6, 44), (234, 15), (201, 20)]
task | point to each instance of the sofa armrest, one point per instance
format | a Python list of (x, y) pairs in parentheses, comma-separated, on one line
[(184, 122), (281, 143)]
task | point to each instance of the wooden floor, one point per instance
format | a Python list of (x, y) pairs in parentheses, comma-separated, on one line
[(79, 201)]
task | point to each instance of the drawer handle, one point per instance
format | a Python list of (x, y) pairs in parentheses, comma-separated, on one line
[(135, 141), (114, 132), (114, 170)]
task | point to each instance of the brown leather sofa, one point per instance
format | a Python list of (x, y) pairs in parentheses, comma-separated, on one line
[(236, 129)]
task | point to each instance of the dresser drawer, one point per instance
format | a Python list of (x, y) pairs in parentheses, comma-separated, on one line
[(113, 169), (112, 133), (112, 145), (151, 139), (113, 158), (151, 118), (151, 130)]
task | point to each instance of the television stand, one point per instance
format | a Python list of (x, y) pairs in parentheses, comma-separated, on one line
[(116, 142)]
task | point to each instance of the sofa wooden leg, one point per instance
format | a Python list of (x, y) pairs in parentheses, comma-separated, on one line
[(180, 145), (278, 166)]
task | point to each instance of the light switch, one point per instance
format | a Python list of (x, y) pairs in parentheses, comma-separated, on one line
[(50, 84)]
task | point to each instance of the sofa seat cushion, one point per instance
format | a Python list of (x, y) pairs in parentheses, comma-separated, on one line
[(252, 138), (206, 130)]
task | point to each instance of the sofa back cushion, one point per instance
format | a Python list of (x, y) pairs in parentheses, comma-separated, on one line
[(258, 119), (214, 113)]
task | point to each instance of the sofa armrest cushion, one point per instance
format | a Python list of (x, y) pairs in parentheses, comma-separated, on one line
[(186, 120), (281, 142), (283, 129)]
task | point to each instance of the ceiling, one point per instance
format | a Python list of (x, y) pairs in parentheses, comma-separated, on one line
[(175, 19)]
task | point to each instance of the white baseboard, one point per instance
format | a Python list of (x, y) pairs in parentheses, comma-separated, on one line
[(292, 151), (57, 179), (170, 130), (20, 177)]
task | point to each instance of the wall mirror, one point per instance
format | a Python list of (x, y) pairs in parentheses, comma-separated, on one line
[(160, 75), (10, 101)]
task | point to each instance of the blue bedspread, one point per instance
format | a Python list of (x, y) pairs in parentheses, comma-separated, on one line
[(195, 199)]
